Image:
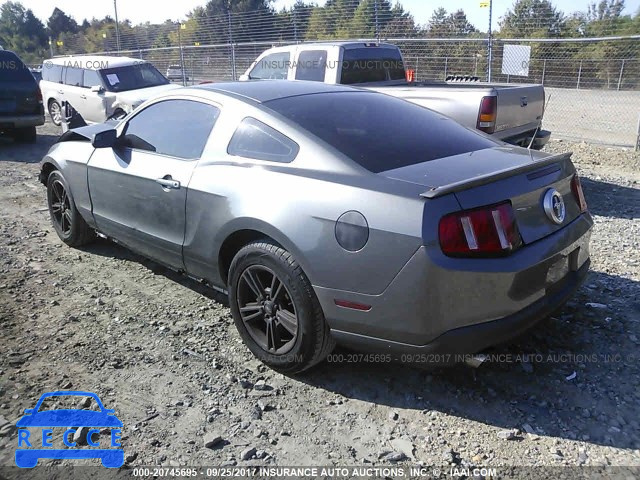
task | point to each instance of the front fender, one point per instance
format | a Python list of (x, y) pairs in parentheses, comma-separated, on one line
[(71, 159)]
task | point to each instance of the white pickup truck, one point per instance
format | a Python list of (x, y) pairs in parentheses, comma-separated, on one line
[(512, 113)]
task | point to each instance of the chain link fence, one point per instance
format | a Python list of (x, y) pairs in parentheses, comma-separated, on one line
[(592, 83)]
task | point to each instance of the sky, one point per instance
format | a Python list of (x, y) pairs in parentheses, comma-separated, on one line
[(139, 11)]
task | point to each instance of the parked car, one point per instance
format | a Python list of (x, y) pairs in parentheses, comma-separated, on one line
[(99, 87), (509, 112), (21, 109), (174, 72), (329, 216), (37, 73)]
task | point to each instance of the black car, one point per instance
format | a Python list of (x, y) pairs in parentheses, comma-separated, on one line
[(21, 108)]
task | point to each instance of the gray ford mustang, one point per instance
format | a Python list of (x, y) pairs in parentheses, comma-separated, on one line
[(331, 214)]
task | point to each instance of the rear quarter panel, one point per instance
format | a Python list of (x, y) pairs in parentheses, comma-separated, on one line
[(299, 211)]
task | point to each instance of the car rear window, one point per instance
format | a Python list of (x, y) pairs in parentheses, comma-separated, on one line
[(371, 64), (12, 69), (377, 131)]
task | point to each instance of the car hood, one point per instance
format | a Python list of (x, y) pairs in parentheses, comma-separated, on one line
[(136, 97), (69, 417)]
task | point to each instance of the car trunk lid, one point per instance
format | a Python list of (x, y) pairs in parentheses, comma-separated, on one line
[(494, 175)]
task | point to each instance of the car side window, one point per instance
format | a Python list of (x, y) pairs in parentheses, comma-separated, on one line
[(311, 65), (274, 66), (178, 128), (254, 139), (52, 73), (73, 77), (91, 79)]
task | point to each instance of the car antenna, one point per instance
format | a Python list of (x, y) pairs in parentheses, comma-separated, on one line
[(544, 108)]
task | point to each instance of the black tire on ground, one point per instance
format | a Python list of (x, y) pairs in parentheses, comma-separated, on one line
[(119, 114), (25, 135), (55, 112), (66, 220), (312, 342)]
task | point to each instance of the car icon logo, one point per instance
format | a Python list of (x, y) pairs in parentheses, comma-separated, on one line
[(32, 447), (553, 205)]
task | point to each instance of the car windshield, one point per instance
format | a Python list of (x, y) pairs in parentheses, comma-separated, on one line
[(12, 69), (377, 131), (132, 77)]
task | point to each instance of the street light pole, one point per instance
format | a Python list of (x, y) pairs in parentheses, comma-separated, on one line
[(115, 7)]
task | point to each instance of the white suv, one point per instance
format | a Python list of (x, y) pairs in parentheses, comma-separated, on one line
[(99, 88)]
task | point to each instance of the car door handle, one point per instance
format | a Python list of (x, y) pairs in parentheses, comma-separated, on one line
[(168, 182), (84, 97), (61, 92)]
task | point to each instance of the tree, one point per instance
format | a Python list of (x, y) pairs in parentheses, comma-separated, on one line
[(22, 32), (402, 24), (532, 18), (59, 22), (443, 24)]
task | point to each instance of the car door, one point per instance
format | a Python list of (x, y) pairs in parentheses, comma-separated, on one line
[(94, 102), (139, 188), (73, 90)]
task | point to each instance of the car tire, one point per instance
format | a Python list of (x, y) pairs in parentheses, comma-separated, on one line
[(291, 298), (119, 114), (55, 112), (25, 135), (67, 221)]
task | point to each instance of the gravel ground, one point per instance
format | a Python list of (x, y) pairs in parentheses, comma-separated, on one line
[(163, 352)]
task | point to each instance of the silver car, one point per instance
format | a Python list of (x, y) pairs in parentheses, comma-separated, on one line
[(331, 214)]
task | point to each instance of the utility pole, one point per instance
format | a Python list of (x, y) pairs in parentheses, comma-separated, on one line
[(490, 46), (115, 7), (233, 48), (375, 9), (184, 77)]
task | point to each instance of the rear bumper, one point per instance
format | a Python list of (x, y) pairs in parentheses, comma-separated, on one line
[(523, 140), (452, 346), (434, 296), (21, 121)]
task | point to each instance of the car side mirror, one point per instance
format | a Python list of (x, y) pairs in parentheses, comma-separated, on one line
[(97, 89), (28, 411), (105, 139)]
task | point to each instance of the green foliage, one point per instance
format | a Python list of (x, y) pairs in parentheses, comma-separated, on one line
[(532, 18), (22, 32)]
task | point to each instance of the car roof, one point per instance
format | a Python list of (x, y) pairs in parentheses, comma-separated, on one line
[(262, 91), (96, 62)]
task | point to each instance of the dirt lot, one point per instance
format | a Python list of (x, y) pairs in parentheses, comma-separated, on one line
[(163, 352)]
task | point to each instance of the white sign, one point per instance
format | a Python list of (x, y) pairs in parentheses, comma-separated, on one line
[(515, 60)]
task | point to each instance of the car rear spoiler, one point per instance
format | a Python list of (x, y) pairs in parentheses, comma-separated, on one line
[(459, 186)]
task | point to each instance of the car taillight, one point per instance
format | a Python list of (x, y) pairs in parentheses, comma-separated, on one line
[(484, 231), (487, 114), (39, 95), (576, 188)]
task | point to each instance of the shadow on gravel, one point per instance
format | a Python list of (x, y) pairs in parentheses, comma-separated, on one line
[(11, 151), (107, 248), (528, 382), (610, 200), (599, 405)]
